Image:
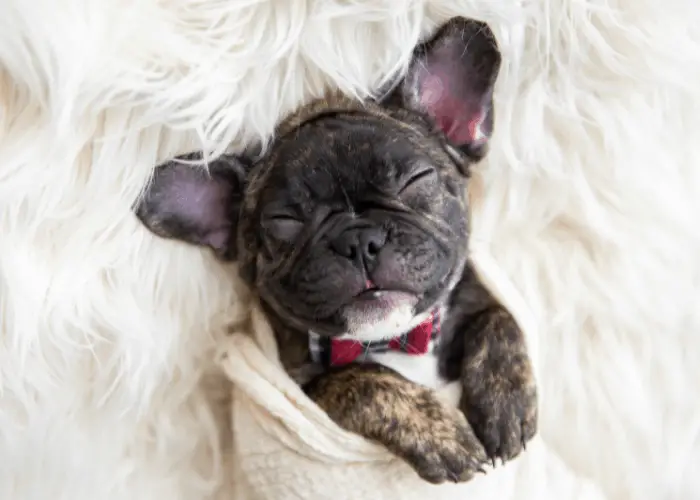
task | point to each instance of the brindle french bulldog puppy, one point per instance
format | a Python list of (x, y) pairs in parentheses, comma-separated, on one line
[(353, 231)]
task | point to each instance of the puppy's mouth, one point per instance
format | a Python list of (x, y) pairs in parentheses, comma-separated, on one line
[(370, 292), (375, 301)]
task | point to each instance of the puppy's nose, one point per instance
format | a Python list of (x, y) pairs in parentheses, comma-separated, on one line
[(360, 243)]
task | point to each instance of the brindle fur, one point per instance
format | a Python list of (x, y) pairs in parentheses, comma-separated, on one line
[(488, 353), (338, 150), (376, 402)]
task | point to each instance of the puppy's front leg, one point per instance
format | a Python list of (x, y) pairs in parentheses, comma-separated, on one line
[(489, 355), (379, 404)]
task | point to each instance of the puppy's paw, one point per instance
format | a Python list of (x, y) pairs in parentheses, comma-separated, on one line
[(504, 419), (439, 444), (408, 419), (499, 394)]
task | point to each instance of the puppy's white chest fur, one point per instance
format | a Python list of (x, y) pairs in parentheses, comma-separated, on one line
[(423, 368)]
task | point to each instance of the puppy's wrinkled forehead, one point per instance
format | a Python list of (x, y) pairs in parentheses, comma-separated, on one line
[(342, 157)]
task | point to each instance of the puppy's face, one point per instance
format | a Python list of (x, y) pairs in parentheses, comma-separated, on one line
[(361, 224), (355, 221)]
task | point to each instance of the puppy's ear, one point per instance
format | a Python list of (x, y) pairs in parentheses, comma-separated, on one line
[(451, 80), (194, 204)]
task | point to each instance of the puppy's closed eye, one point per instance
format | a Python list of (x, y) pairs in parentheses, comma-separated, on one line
[(420, 179), (282, 226)]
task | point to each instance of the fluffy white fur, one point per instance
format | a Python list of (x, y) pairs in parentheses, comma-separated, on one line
[(589, 201)]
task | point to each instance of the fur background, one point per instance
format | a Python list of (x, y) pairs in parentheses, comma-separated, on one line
[(589, 199)]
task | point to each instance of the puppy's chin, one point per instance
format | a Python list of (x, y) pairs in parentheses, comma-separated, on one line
[(380, 315)]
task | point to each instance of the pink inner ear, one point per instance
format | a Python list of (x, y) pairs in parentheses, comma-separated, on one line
[(204, 203), (204, 200), (460, 119)]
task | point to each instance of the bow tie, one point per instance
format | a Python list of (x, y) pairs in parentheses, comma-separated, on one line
[(329, 351)]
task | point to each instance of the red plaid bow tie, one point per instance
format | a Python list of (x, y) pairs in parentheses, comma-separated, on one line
[(337, 352)]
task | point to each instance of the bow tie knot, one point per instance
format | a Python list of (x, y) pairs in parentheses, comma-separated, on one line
[(337, 352)]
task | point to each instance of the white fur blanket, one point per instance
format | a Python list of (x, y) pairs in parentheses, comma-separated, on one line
[(109, 382)]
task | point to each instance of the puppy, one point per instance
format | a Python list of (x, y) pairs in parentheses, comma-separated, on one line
[(353, 230)]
